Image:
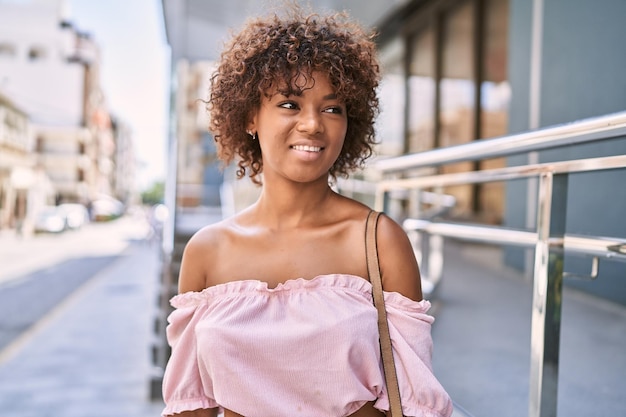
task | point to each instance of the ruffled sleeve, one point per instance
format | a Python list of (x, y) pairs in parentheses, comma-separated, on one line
[(410, 329), (183, 388)]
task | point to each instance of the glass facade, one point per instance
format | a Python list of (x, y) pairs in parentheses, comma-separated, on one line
[(495, 95), (421, 85), (390, 123), (458, 90), (455, 89)]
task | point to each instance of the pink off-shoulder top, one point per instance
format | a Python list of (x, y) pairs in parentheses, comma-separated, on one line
[(305, 348)]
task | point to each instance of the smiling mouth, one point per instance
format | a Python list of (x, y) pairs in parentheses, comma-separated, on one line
[(307, 148)]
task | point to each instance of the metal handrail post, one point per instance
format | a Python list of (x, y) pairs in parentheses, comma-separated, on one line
[(381, 200), (417, 238), (435, 248), (547, 295)]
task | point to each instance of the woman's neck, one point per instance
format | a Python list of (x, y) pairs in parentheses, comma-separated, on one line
[(293, 205)]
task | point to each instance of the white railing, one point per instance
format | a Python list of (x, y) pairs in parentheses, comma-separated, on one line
[(401, 176)]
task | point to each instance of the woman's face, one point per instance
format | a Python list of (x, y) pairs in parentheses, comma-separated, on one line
[(301, 135)]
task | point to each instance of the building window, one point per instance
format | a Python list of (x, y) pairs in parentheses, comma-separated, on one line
[(457, 91), (37, 53), (7, 50), (495, 96), (40, 144), (421, 89), (389, 125)]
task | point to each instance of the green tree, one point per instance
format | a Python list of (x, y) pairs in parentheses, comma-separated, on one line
[(153, 194)]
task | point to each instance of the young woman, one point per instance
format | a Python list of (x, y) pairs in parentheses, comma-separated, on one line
[(275, 315)]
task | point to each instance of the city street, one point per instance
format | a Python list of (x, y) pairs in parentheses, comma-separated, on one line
[(76, 314)]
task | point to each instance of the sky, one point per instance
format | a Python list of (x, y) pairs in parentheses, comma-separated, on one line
[(134, 72)]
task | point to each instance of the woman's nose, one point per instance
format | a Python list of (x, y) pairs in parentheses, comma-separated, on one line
[(310, 122)]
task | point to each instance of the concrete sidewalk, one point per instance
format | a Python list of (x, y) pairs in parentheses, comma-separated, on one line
[(482, 340), (90, 357)]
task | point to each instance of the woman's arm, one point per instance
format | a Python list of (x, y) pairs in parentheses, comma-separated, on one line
[(192, 276), (398, 266)]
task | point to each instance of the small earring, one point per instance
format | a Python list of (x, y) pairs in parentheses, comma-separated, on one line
[(253, 136)]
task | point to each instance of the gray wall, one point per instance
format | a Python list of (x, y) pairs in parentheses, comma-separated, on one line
[(583, 75)]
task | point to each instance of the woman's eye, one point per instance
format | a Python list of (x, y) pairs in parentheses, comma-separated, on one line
[(290, 105), (334, 110)]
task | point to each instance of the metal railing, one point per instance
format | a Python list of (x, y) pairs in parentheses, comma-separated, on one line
[(549, 239)]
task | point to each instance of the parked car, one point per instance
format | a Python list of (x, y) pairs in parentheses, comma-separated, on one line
[(51, 219), (104, 209), (76, 215)]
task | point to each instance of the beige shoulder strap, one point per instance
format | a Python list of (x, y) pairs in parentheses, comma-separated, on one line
[(371, 251)]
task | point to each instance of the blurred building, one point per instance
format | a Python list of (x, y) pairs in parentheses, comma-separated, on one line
[(51, 70), (124, 160), (23, 187), (198, 176)]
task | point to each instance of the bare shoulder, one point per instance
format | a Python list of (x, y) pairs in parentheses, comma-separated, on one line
[(398, 266), (201, 251)]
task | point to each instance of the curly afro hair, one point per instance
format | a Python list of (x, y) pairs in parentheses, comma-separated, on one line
[(271, 51)]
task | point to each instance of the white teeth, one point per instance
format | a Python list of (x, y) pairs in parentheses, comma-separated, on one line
[(307, 148)]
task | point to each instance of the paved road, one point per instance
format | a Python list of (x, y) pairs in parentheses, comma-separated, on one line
[(24, 301), (89, 354)]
